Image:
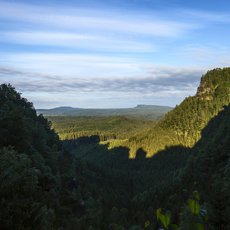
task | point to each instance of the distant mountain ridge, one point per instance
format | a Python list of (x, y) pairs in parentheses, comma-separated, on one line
[(150, 112), (64, 108)]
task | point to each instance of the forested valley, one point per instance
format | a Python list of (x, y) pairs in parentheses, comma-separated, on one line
[(118, 172)]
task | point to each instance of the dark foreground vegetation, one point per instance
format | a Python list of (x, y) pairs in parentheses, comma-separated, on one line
[(81, 184)]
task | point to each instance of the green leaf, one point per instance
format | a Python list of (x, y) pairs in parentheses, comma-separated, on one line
[(164, 218), (158, 212), (167, 219), (194, 206)]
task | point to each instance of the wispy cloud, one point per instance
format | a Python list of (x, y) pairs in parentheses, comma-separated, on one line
[(75, 40), (95, 20), (160, 85), (214, 54), (160, 80), (79, 65)]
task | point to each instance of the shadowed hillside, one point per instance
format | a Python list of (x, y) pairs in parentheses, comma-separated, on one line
[(208, 169), (169, 178)]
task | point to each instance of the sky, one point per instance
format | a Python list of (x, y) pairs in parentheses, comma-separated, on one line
[(111, 53)]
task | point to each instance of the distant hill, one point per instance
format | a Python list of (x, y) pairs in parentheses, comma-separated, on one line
[(150, 112)]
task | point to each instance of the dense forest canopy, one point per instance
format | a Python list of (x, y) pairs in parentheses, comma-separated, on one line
[(107, 128), (83, 184)]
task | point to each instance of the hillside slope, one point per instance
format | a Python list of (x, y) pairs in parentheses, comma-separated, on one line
[(208, 169), (204, 178), (183, 125), (41, 186)]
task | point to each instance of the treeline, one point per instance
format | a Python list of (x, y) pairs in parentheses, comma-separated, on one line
[(106, 128)]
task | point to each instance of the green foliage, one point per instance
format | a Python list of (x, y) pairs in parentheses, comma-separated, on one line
[(165, 219), (21, 127), (107, 128), (22, 205), (194, 206), (191, 216), (208, 166), (32, 190)]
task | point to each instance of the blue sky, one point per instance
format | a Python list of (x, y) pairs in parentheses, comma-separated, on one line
[(113, 53)]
